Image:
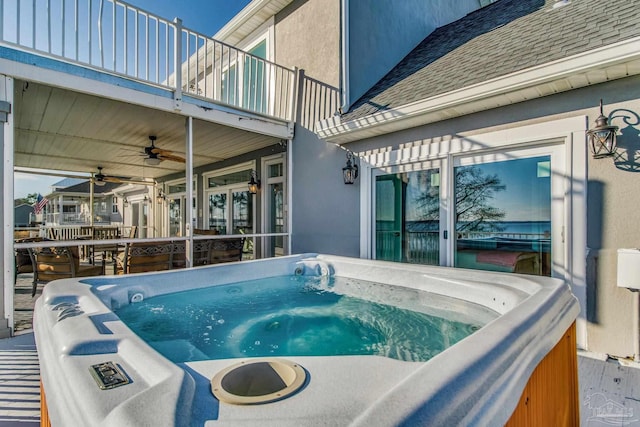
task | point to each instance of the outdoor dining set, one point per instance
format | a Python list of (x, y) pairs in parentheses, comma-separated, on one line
[(53, 261)]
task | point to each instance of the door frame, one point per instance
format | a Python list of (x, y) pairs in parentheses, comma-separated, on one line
[(568, 132)]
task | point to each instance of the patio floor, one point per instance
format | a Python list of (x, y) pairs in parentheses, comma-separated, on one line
[(609, 389)]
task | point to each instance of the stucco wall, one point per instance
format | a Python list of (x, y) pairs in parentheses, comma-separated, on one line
[(307, 36), (613, 194), (613, 223), (324, 210), (382, 32)]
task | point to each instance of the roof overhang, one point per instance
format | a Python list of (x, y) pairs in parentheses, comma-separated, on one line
[(249, 19), (600, 65)]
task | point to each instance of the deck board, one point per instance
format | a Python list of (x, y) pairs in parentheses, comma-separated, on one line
[(609, 393)]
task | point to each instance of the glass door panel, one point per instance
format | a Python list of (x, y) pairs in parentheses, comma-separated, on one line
[(407, 217), (242, 219), (503, 215), (276, 220), (176, 217), (218, 212)]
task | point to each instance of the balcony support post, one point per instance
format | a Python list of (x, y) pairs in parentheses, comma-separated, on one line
[(177, 65)]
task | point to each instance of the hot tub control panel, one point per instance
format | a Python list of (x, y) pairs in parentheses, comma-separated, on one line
[(108, 375)]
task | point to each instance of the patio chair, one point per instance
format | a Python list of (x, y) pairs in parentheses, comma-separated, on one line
[(105, 233), (52, 263), (226, 250), (201, 253), (140, 257), (206, 232), (23, 263)]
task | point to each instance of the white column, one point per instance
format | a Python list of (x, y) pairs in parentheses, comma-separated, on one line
[(7, 262), (189, 185)]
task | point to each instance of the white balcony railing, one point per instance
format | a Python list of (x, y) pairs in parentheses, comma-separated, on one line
[(115, 37)]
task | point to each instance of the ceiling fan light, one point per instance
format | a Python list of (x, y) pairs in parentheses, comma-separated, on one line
[(99, 183), (152, 161)]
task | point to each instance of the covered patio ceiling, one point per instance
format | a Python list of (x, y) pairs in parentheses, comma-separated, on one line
[(59, 129)]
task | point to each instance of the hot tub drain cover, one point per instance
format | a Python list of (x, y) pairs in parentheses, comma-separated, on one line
[(259, 381)]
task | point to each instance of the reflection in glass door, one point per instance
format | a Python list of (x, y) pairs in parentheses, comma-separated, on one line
[(503, 214), (140, 218), (176, 216), (407, 217), (276, 220), (218, 212)]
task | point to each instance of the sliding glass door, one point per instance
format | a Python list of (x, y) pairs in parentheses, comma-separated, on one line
[(407, 216), (501, 211), (508, 211)]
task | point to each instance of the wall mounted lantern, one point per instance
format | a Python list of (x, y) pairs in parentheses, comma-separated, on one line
[(161, 197), (350, 171), (602, 138), (254, 184), (125, 202)]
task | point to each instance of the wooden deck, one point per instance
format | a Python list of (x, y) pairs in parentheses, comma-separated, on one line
[(609, 390)]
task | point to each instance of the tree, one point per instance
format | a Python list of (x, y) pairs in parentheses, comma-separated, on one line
[(29, 199), (474, 190)]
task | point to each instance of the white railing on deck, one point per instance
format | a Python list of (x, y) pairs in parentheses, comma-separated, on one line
[(113, 36)]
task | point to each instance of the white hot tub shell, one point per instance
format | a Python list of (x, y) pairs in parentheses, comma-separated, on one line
[(478, 381)]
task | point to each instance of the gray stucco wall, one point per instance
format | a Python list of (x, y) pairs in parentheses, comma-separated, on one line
[(307, 36), (382, 32), (324, 210), (613, 194)]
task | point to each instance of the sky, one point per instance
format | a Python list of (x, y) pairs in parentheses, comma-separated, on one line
[(203, 16)]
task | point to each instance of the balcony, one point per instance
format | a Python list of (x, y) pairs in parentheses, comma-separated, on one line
[(113, 37)]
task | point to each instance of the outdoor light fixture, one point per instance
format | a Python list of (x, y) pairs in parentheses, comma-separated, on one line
[(350, 171), (125, 202), (254, 184), (161, 197), (602, 138)]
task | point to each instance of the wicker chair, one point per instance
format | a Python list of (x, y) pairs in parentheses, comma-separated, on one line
[(140, 257), (52, 263), (226, 250), (201, 253)]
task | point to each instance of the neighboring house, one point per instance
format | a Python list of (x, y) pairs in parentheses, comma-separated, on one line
[(23, 215), (69, 204), (507, 89)]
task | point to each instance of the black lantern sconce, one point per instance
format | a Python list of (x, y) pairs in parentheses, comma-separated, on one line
[(350, 171), (161, 197), (602, 138), (254, 184)]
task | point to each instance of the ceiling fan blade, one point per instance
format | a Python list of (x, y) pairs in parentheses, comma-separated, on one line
[(114, 179), (172, 157)]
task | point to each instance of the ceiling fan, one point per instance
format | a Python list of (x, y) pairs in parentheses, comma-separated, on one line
[(155, 155), (101, 179)]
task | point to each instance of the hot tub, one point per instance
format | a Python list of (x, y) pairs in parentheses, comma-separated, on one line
[(96, 371)]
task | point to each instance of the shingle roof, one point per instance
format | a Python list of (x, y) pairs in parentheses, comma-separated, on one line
[(85, 187), (505, 37)]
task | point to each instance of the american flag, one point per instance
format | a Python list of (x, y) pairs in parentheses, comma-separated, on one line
[(39, 204)]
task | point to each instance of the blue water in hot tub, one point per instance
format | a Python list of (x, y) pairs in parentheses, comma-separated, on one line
[(297, 316)]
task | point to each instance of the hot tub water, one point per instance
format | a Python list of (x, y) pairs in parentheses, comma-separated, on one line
[(302, 316)]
